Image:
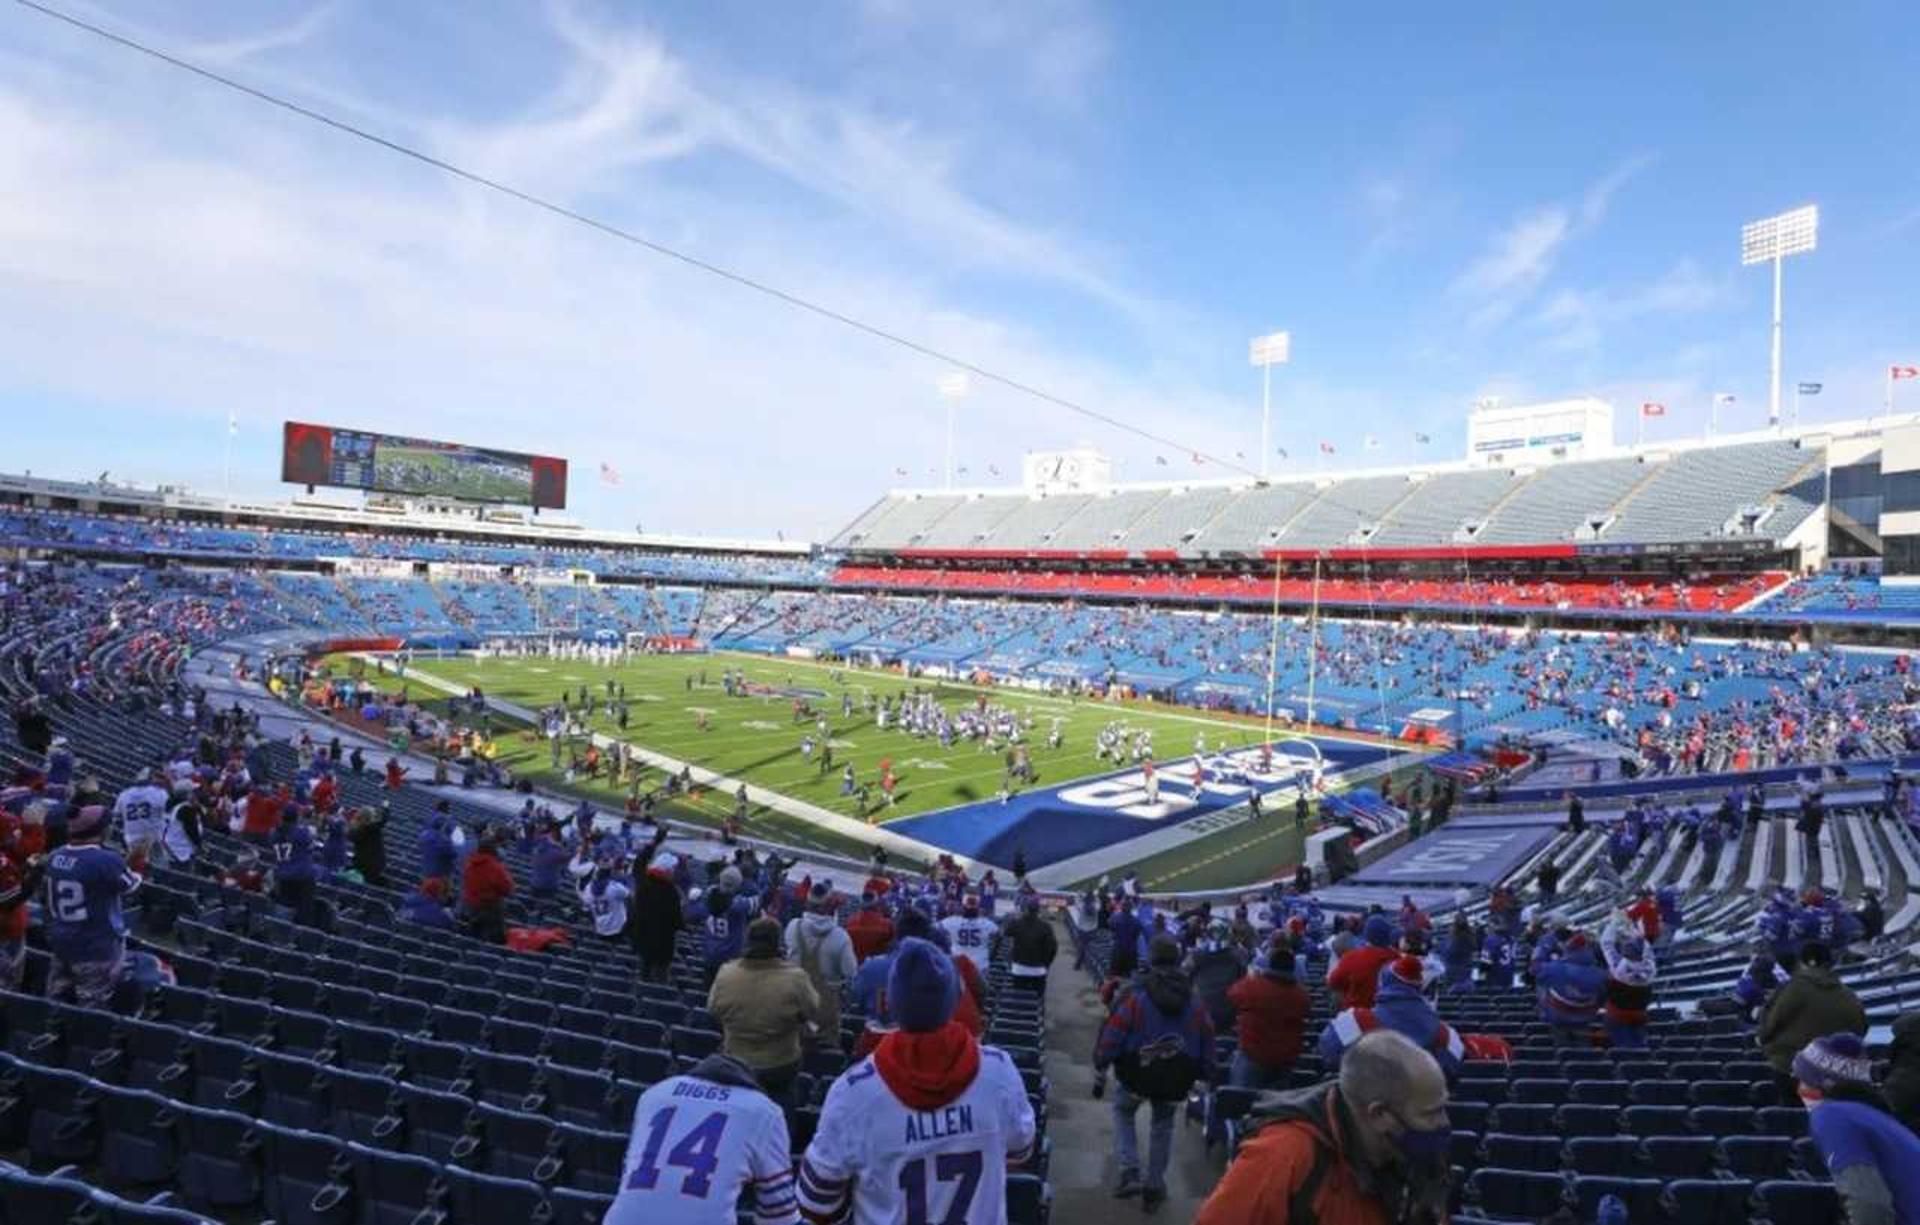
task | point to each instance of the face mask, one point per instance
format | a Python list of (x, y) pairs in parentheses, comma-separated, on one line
[(1423, 1147)]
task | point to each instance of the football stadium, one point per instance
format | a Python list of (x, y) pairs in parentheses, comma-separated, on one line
[(1510, 821)]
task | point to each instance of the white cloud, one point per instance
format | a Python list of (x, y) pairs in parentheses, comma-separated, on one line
[(1516, 262)]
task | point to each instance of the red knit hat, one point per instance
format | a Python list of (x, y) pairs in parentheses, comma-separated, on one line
[(1408, 969)]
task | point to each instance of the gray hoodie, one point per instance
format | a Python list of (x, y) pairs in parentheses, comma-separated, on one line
[(832, 949)]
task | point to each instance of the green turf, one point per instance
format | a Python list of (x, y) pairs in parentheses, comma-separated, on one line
[(756, 739)]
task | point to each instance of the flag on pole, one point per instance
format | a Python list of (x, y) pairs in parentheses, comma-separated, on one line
[(1650, 409), (1896, 373), (233, 423), (899, 471), (960, 471), (1810, 389), (1326, 448), (993, 469), (1722, 399), (1282, 453), (1160, 460), (1198, 458), (1370, 443), (1422, 438), (1240, 455), (609, 475)]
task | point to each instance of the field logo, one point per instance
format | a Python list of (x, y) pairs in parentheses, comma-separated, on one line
[(1231, 776), (761, 725), (922, 763)]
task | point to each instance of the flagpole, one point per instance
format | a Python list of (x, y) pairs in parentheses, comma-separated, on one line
[(1313, 642), (1273, 647), (1266, 422), (226, 462)]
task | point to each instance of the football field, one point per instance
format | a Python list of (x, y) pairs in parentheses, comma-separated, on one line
[(950, 796)]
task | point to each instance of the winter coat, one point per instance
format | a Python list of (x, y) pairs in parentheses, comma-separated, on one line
[(1400, 1007), (762, 1004), (1903, 1074), (653, 916), (1813, 1004), (1271, 1016)]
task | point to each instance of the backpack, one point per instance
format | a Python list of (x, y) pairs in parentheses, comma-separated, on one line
[(828, 1016)]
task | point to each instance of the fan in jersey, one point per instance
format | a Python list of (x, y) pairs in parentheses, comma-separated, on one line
[(706, 1145), (970, 933), (605, 894), (86, 932), (925, 1127), (141, 811)]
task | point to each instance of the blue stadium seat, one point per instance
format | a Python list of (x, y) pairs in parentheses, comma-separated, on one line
[(434, 1065), (506, 1080), (456, 1026), (640, 1064), (1517, 1119), (572, 1206), (392, 1188), (243, 1020), (1756, 1156), (1552, 1092), (1657, 1092), (1481, 1089), (162, 1209), (1579, 1120), (217, 1166), (1789, 1121), (1641, 1196), (576, 1050), (592, 1159), (294, 1092), (1029, 1200), (1468, 1116), (425, 1123), (1708, 1201), (1463, 1148), (1799, 1203), (693, 1044), (1612, 1155), (1599, 1092), (299, 994), (366, 1048), (510, 1144), (1807, 1155), (484, 1199), (403, 1015), (516, 1038), (304, 1177), (30, 1199), (1656, 1120), (139, 1146), (1718, 1093), (577, 1096), (1680, 1156), (63, 1115), (155, 1055), (1516, 1194), (92, 1041), (305, 1034), (357, 1103), (223, 1073), (1724, 1120), (1522, 1152)]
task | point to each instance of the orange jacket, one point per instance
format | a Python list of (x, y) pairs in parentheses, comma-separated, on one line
[(1273, 1166), (1356, 976), (486, 882)]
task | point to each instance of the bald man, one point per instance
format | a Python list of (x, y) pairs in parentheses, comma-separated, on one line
[(1368, 1149)]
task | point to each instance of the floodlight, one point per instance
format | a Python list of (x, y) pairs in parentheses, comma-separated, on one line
[(1273, 349), (1773, 238), (1266, 352), (955, 385)]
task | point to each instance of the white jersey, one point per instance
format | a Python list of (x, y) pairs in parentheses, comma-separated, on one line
[(141, 811), (695, 1146), (608, 907), (899, 1166), (174, 837), (971, 938)]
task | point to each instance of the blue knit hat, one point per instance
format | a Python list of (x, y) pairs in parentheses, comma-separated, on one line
[(1378, 931), (1612, 1210), (922, 988), (1825, 1062)]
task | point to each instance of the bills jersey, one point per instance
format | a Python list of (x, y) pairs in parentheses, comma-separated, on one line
[(899, 1166), (606, 901), (971, 938), (84, 885), (696, 1146)]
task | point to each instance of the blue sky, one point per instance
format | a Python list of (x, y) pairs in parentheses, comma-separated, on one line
[(1522, 200)]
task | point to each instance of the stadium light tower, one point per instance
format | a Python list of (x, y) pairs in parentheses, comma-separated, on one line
[(1266, 352), (1771, 240), (954, 388)]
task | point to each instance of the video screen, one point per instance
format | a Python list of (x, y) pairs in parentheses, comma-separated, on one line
[(388, 463)]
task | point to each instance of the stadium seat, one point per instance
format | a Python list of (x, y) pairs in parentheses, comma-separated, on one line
[(1789, 1121), (1599, 1092), (1551, 1092), (366, 1048), (516, 1038), (1611, 1155), (138, 1143), (304, 1177), (223, 1073), (577, 1096), (161, 1210), (691, 1044), (1481, 1089), (31, 1199), (392, 1188), (217, 1166), (1522, 1152), (510, 1144), (1718, 1093), (1656, 1120), (484, 1199), (1755, 1156), (153, 1053), (1807, 1155), (572, 1206), (294, 1092), (1799, 1203), (1578, 1120), (1029, 1200), (63, 1116), (639, 1064), (1523, 1119), (306, 1034), (1680, 1156), (1706, 1201), (1641, 1196), (434, 1065), (1463, 1148), (357, 1103), (1468, 1116), (592, 1160), (425, 1123), (1516, 1194), (573, 1050), (298, 994), (458, 1027), (506, 1080), (92, 1041), (1723, 1120), (1657, 1092)]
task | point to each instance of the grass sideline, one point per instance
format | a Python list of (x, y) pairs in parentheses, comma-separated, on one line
[(757, 740)]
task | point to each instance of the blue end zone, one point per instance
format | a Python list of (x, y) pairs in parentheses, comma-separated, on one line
[(1056, 823)]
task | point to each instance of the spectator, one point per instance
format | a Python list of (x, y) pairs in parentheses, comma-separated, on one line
[(1548, 881), (1401, 1007), (1159, 1042), (1571, 988), (654, 917), (870, 929), (1630, 973), (1457, 953), (1645, 911), (1873, 1159), (1757, 985), (1356, 976), (822, 948), (1903, 1071), (863, 1155), (1128, 934), (1216, 965), (427, 906), (436, 846), (19, 880), (764, 1003), (724, 914), (1576, 814), (1368, 1149), (368, 836), (604, 893), (1813, 1004), (86, 932), (549, 858), (485, 887), (1031, 946), (1270, 1015), (293, 871)]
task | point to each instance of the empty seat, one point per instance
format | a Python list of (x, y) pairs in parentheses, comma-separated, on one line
[(510, 1144), (1615, 1155), (1481, 1089), (454, 1025), (576, 1050), (217, 1166), (1656, 1120), (1808, 1156), (1523, 1119), (1789, 1121), (592, 1159), (1522, 1152), (577, 1096), (1468, 1116), (1516, 1194), (1552, 1092), (575, 1207), (63, 1120), (434, 1065), (1756, 1156), (428, 1124), (1718, 1093), (1799, 1203), (303, 1177), (1724, 1120), (306, 1034), (357, 1103), (506, 1080), (1579, 1120), (474, 1198), (1657, 1092), (293, 1091), (366, 1048), (516, 1038), (1705, 1201), (693, 1044), (1028, 1200), (34, 1200), (1641, 1196), (1599, 1092), (138, 1142), (223, 1073), (1680, 1156), (153, 1054), (640, 1064), (392, 1188)]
